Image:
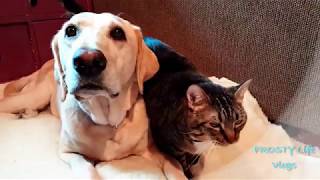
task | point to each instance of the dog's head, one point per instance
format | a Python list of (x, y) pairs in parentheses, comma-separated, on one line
[(100, 54)]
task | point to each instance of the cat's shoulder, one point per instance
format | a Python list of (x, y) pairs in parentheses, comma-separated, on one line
[(169, 59)]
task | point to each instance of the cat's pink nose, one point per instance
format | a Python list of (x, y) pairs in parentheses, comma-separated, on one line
[(230, 135)]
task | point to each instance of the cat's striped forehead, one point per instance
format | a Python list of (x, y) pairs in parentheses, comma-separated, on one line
[(225, 105)]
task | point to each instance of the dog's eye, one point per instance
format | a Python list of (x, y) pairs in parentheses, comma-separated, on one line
[(118, 34), (71, 31)]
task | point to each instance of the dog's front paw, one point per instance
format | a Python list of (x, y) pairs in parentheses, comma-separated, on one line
[(173, 170), (9, 116), (29, 113), (86, 172)]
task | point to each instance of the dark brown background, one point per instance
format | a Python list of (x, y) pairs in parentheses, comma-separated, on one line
[(26, 31)]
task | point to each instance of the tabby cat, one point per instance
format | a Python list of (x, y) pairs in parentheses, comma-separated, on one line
[(188, 112)]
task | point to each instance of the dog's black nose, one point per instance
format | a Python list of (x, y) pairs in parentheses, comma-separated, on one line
[(89, 62)]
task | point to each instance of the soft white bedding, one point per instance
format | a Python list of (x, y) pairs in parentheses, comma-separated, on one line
[(28, 149)]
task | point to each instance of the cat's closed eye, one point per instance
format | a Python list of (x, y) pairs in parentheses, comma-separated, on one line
[(238, 122), (238, 125), (214, 124)]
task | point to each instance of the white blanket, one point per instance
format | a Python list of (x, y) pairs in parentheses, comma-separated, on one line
[(28, 149)]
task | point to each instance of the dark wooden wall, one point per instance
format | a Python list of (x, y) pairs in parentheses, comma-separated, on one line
[(25, 32)]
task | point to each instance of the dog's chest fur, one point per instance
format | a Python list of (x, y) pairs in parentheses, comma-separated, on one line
[(104, 143)]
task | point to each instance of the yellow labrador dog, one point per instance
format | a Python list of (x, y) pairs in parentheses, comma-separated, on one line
[(100, 64), (29, 94)]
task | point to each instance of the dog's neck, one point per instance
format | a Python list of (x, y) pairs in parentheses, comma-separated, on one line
[(122, 104), (111, 111)]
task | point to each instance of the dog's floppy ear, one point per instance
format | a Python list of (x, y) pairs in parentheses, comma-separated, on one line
[(58, 69), (147, 63)]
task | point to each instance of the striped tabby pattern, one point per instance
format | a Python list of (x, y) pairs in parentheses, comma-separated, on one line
[(188, 112)]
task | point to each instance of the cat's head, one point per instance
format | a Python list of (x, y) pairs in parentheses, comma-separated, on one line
[(216, 113)]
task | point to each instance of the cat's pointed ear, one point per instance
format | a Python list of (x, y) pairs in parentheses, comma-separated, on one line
[(239, 91), (196, 96)]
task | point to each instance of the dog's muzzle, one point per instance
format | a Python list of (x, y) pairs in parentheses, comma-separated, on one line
[(89, 63)]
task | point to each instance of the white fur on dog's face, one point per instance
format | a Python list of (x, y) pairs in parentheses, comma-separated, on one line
[(94, 33), (105, 97)]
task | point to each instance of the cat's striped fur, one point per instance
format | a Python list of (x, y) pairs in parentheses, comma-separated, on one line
[(186, 109)]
